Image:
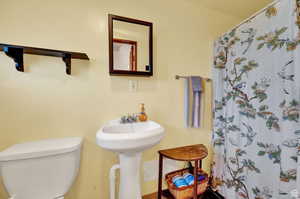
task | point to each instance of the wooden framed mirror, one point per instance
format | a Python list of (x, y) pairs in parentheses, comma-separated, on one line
[(130, 46)]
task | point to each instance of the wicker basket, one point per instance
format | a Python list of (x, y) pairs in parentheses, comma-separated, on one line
[(188, 191)]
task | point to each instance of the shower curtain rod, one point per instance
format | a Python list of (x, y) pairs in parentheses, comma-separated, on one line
[(255, 14)]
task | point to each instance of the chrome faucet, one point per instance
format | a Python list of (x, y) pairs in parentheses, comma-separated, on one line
[(129, 119)]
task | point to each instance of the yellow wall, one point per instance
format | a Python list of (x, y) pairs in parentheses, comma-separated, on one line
[(44, 102)]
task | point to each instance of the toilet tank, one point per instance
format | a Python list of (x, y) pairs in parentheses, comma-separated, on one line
[(41, 170)]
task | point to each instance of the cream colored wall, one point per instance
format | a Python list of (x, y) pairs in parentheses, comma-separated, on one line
[(44, 102)]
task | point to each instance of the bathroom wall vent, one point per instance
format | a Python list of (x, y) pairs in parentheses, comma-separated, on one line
[(16, 53)]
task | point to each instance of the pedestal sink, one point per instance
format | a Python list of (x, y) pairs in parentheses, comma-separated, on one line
[(129, 141)]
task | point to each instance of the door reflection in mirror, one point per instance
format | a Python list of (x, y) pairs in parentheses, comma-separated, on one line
[(128, 33), (125, 54)]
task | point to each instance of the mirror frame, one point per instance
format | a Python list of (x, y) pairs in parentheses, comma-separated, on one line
[(112, 71)]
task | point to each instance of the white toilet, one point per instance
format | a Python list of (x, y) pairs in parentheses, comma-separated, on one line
[(41, 170)]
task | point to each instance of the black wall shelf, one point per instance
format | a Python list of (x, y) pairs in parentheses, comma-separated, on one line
[(17, 52)]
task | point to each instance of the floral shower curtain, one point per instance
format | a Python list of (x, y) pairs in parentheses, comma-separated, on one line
[(256, 136)]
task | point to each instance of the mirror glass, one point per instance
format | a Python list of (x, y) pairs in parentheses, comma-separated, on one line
[(131, 48)]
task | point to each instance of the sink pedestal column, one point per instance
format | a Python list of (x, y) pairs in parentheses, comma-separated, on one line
[(130, 187)]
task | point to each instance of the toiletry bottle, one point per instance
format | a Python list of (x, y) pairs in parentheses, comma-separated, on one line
[(143, 116)]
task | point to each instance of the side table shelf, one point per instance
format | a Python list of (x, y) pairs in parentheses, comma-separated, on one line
[(187, 153)]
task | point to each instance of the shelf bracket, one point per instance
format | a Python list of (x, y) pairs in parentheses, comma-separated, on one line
[(67, 59), (17, 55)]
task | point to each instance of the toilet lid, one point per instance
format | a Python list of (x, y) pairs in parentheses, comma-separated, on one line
[(41, 148)]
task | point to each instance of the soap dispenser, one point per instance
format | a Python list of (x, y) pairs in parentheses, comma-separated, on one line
[(143, 116)]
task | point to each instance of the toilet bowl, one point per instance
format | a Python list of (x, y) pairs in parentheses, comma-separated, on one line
[(40, 170)]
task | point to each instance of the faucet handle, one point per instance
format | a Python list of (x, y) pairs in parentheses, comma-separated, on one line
[(129, 118)]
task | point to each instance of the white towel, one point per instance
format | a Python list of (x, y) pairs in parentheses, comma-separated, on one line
[(187, 103), (196, 110), (192, 101)]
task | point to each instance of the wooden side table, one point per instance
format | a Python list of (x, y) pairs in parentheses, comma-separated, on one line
[(187, 153)]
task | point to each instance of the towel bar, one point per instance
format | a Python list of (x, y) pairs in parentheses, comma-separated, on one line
[(180, 77)]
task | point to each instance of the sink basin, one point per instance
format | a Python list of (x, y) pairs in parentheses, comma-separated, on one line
[(128, 138), (129, 141)]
